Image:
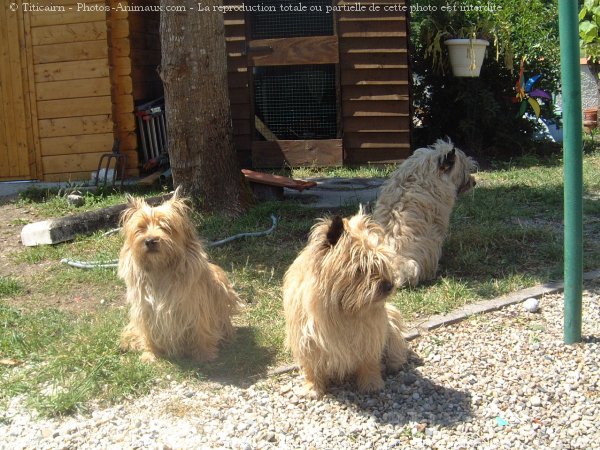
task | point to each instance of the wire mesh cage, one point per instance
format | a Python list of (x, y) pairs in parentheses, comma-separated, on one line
[(291, 23), (297, 102)]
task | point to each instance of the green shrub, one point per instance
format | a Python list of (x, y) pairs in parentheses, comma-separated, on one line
[(477, 113)]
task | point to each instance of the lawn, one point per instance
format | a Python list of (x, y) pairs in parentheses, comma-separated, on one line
[(59, 326)]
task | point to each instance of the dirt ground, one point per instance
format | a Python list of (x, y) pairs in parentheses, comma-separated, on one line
[(12, 219), (74, 297)]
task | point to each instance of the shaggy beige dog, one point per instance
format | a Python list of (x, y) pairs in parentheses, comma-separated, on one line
[(415, 205), (180, 304), (337, 322)]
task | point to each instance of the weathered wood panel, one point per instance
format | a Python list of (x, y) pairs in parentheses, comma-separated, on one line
[(72, 51), (238, 78), (73, 89), (70, 145), (374, 75), (77, 32), (90, 87), (279, 154), (74, 70), (88, 106), (292, 51), (17, 155), (72, 126)]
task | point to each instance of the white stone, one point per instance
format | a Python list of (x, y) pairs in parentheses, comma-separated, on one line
[(531, 305)]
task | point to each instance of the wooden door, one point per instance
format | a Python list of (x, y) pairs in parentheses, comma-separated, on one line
[(293, 57), (17, 155)]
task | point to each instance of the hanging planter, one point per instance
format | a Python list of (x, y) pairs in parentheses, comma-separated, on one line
[(466, 56)]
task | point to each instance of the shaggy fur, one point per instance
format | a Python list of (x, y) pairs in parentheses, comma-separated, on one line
[(180, 304), (415, 205), (337, 322)]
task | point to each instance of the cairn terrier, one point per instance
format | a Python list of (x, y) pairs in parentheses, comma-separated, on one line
[(415, 204), (180, 303), (337, 322)]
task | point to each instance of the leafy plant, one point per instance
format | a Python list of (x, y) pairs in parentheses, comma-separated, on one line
[(589, 23), (477, 113)]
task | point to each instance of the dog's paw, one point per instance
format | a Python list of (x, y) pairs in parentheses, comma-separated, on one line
[(370, 385), (148, 357), (312, 391)]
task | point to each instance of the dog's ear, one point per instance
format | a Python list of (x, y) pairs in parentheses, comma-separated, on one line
[(133, 205), (178, 193), (335, 231), (447, 161)]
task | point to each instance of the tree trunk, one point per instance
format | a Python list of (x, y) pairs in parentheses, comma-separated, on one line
[(194, 73)]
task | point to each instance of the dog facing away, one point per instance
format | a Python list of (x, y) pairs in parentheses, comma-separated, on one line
[(337, 322), (415, 204), (180, 304)]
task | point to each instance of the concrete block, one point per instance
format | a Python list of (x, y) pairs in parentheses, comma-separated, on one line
[(62, 229)]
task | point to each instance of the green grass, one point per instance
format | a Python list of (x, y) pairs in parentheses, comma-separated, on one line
[(505, 236), (9, 287)]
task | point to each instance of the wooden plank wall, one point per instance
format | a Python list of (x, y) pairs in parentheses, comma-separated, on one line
[(374, 77), (72, 87), (17, 142), (238, 78)]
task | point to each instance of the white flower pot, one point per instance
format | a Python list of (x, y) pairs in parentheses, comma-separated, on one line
[(466, 56)]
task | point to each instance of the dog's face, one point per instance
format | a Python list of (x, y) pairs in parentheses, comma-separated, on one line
[(457, 166), (156, 236), (354, 263)]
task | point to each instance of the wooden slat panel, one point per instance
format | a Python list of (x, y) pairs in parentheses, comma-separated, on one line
[(56, 34), (15, 125), (376, 93), (374, 60), (237, 79), (301, 50), (81, 162), (377, 140), (376, 124), (374, 76), (356, 108), (91, 87), (369, 29), (71, 126), (71, 145), (74, 51), (90, 106), (127, 122), (39, 19), (297, 153), (75, 70), (371, 16), (241, 126), (123, 104), (374, 45), (122, 86), (376, 155)]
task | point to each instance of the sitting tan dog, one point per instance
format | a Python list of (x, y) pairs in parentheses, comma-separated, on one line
[(337, 322), (180, 304)]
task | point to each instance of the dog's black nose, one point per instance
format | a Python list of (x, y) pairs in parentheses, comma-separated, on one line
[(151, 243)]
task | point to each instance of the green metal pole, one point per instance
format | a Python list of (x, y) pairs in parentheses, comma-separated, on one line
[(573, 167)]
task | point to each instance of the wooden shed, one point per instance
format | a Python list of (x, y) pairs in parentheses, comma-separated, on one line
[(312, 87)]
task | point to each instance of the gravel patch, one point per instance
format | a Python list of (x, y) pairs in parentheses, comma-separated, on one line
[(498, 380)]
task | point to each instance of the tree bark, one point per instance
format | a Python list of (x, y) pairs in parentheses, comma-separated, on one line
[(194, 73)]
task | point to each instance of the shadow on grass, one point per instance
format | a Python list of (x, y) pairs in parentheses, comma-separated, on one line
[(240, 362)]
